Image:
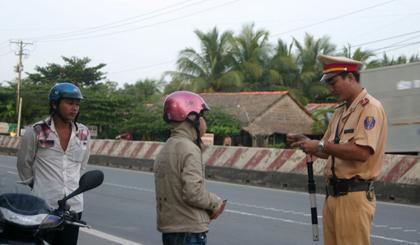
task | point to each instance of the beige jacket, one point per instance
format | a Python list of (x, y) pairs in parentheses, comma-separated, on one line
[(181, 196)]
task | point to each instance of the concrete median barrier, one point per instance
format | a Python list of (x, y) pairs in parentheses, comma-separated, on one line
[(399, 180)]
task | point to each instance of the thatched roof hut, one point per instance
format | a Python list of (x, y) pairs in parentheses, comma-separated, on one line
[(264, 113)]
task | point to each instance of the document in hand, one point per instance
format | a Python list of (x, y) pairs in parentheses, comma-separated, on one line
[(301, 137)]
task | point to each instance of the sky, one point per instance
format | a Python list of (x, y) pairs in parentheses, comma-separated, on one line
[(139, 39)]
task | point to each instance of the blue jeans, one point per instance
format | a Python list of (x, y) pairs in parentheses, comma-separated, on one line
[(184, 238)]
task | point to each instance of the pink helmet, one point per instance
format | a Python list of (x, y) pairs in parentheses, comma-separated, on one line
[(179, 105)]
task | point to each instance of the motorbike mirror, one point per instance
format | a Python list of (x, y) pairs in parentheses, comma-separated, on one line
[(88, 181)]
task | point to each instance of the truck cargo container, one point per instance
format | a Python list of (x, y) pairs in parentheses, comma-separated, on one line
[(398, 89)]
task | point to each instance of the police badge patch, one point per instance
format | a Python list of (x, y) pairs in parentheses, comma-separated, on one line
[(369, 123)]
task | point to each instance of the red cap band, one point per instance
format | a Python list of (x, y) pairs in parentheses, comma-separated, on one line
[(339, 68)]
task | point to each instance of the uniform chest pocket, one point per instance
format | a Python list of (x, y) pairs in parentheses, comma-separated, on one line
[(348, 137)]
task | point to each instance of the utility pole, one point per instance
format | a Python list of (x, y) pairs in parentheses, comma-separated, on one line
[(19, 69)]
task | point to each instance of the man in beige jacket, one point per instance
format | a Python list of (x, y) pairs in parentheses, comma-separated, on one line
[(184, 207)]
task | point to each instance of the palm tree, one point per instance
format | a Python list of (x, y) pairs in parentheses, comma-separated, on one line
[(209, 70), (310, 68), (144, 89), (362, 56), (414, 58), (252, 53)]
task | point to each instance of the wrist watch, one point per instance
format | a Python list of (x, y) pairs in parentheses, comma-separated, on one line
[(321, 146)]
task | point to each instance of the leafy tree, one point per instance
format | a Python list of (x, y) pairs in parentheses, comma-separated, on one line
[(175, 85), (146, 122), (106, 107), (7, 104), (144, 90), (208, 70), (320, 125), (35, 105), (220, 122), (75, 70)]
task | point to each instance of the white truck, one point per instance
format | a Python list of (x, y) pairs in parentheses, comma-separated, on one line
[(398, 89)]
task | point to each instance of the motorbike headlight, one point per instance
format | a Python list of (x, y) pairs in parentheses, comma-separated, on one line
[(51, 221)]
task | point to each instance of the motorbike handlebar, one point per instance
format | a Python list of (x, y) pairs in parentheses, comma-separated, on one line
[(79, 223)]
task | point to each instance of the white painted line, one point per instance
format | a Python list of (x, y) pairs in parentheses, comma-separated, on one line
[(109, 237), (303, 223), (395, 240), (129, 187), (410, 230), (267, 217), (395, 228), (11, 172), (384, 226)]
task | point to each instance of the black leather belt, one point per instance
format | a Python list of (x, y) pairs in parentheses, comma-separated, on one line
[(340, 187)]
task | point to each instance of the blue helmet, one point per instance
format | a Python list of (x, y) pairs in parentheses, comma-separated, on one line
[(64, 90)]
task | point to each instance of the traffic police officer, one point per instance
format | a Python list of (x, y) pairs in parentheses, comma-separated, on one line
[(354, 145)]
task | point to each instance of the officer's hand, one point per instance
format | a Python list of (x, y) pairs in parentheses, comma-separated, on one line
[(307, 146), (218, 212), (290, 138)]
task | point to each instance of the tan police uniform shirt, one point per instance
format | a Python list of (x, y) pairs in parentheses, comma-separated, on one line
[(364, 123)]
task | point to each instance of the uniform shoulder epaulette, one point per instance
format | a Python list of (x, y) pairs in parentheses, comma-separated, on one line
[(340, 105), (364, 101)]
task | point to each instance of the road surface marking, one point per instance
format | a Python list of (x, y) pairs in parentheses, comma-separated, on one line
[(303, 223), (395, 240), (109, 237)]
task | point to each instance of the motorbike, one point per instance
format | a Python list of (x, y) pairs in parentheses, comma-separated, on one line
[(23, 216)]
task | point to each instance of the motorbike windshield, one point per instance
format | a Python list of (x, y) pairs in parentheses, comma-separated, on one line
[(25, 204)]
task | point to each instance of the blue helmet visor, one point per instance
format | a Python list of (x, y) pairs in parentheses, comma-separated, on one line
[(71, 95)]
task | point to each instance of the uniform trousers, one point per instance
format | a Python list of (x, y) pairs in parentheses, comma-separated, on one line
[(347, 219)]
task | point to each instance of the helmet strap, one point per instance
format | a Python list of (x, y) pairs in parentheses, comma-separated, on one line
[(196, 124), (57, 112)]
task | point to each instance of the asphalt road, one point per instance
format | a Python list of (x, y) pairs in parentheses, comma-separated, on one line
[(122, 211)]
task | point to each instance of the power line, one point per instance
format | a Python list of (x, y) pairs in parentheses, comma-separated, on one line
[(6, 53), (398, 47), (386, 38), (4, 42), (101, 27), (376, 29), (141, 27), (143, 67), (331, 19), (399, 42)]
